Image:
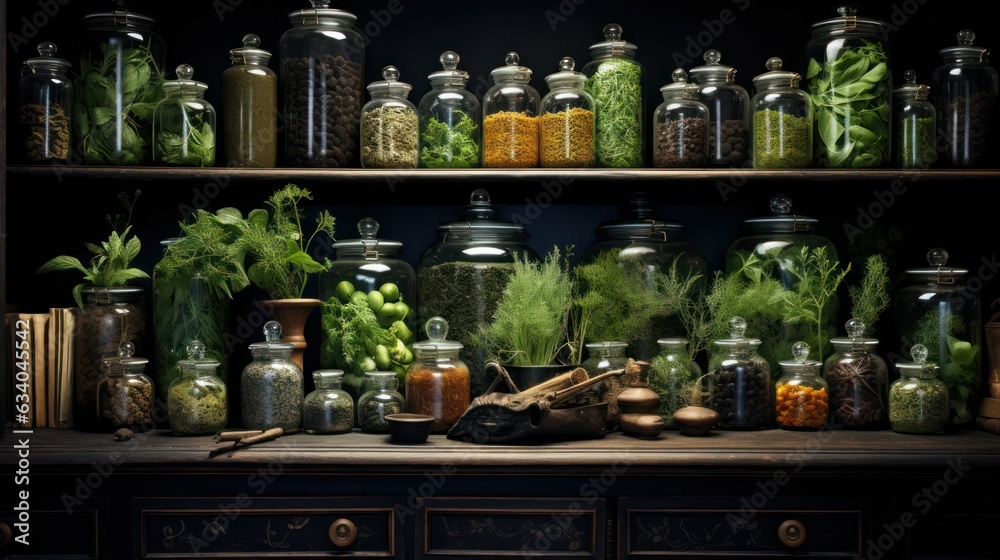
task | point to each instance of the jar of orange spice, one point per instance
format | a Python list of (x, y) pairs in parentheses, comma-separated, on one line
[(800, 396), (437, 383)]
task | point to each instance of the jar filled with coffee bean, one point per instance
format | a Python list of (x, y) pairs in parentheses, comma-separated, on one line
[(740, 385), (680, 126), (728, 108), (125, 393)]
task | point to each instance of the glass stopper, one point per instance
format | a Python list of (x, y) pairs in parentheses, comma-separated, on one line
[(919, 353), (251, 40), (196, 350), (449, 60), (479, 197), (679, 75), (272, 331), (320, 3), (847, 10), (737, 327), (712, 56), (368, 228), (567, 64), (512, 59), (781, 204), (390, 73), (47, 48), (773, 63), (937, 256), (856, 328), (437, 329), (910, 76), (613, 32), (800, 352), (185, 71), (966, 37), (126, 350)]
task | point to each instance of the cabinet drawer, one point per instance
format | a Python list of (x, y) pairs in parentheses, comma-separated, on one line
[(510, 527), (55, 532), (262, 528)]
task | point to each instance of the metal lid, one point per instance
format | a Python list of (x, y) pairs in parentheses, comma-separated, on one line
[(196, 359), (369, 245), (511, 71), (964, 48), (566, 76), (184, 84), (271, 347), (389, 85), (481, 219), (437, 334), (124, 362), (911, 90), (639, 223), (322, 14), (919, 367), (46, 59), (800, 362), (855, 335), (249, 53), (449, 75), (680, 88), (776, 77), (713, 72), (847, 21), (613, 44), (937, 273), (782, 220), (327, 375)]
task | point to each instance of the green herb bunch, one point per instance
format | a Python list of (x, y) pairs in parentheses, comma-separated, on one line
[(958, 359), (871, 297), (195, 148), (444, 146), (358, 340)]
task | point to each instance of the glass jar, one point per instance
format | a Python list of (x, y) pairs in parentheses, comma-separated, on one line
[(45, 103), (940, 312), (250, 107), (858, 380), (125, 393), (328, 409), (380, 400), (853, 53), (680, 126), (728, 110), (510, 111), (615, 81), (965, 93), (197, 401), (123, 60), (603, 357), (322, 82), (450, 119), (675, 377), (271, 387), (782, 120), (914, 125), (437, 383), (918, 400), (184, 123), (389, 126), (801, 399), (739, 387), (566, 124), (462, 276)]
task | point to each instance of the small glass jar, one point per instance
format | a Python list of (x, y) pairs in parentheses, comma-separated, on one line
[(915, 125), (603, 357), (566, 124), (45, 105), (858, 380), (510, 117), (437, 383), (250, 107), (728, 109), (271, 387), (801, 399), (328, 409), (739, 387), (918, 400), (184, 123), (615, 81), (125, 393), (389, 126), (965, 93), (675, 377), (197, 401), (782, 120), (680, 126), (380, 400), (450, 119)]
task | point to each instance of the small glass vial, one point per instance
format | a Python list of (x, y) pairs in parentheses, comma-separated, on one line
[(965, 93), (728, 104), (675, 377), (328, 409), (603, 357), (680, 125), (389, 125), (918, 400), (250, 107), (437, 383), (566, 124), (740, 385), (858, 380), (380, 400), (801, 400), (782, 120), (45, 105), (184, 123), (125, 393), (615, 80), (510, 111), (197, 401), (450, 119), (915, 125), (271, 387)]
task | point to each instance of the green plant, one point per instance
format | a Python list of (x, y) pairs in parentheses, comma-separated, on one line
[(195, 148), (958, 359), (446, 146), (813, 301), (871, 297), (617, 90)]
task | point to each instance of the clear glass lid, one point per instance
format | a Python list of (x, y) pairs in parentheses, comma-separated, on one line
[(368, 245), (965, 49), (919, 367), (321, 14), (196, 361), (680, 88), (120, 16), (437, 343), (46, 59), (639, 223), (775, 77), (567, 76), (511, 71), (250, 52), (481, 219), (737, 330), (125, 361), (713, 71), (800, 362), (449, 75), (271, 348), (911, 90), (782, 220), (937, 272), (855, 339), (389, 85), (184, 84), (847, 21), (613, 44)]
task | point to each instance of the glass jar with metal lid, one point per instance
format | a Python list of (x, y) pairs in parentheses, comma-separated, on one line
[(728, 109), (380, 400), (739, 384), (615, 80), (914, 123), (510, 111), (184, 123), (965, 93), (45, 105), (328, 409), (437, 383), (781, 117), (801, 399), (272, 387), (389, 126), (918, 400), (680, 125), (858, 380), (250, 107), (125, 393), (450, 119), (566, 121), (322, 83), (197, 401)]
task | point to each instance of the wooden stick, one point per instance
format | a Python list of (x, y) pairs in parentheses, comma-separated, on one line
[(557, 383), (273, 433), (236, 436)]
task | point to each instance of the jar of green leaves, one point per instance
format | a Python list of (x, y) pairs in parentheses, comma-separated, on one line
[(450, 118), (197, 401), (675, 377), (781, 120), (184, 123), (914, 122), (615, 81)]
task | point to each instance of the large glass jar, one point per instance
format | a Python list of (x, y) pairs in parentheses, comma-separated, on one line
[(801, 399), (121, 68), (781, 118), (603, 357), (272, 387), (322, 82), (739, 387), (380, 400), (848, 76), (125, 393), (45, 104), (728, 110), (184, 123), (965, 93), (615, 81), (389, 126), (510, 117), (858, 380), (940, 312), (918, 400), (566, 121), (914, 124), (328, 409), (680, 126), (197, 401), (675, 377), (250, 107), (450, 119), (437, 383), (462, 276)]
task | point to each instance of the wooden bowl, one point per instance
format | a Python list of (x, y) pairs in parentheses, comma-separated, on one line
[(405, 427)]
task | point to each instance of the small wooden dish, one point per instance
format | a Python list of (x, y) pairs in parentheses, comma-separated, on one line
[(405, 427)]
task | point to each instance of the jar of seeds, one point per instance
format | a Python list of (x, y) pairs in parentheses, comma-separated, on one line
[(781, 120), (510, 111), (858, 380), (918, 400), (380, 400), (45, 102), (197, 401), (566, 124), (914, 123), (271, 387), (389, 125), (450, 119), (250, 107), (328, 409), (728, 105), (125, 393), (740, 385), (680, 125)]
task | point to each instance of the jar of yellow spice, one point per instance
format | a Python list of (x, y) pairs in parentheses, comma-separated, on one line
[(510, 108), (566, 123)]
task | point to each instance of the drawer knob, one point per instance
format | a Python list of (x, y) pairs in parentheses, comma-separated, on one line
[(5, 534), (792, 533), (343, 532)]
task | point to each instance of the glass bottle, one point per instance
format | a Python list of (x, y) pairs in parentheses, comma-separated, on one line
[(739, 386), (328, 409), (728, 109), (914, 124), (965, 93), (450, 119), (603, 357), (389, 126), (250, 107), (125, 393), (566, 124), (680, 126), (510, 111), (322, 83), (918, 400), (437, 383), (271, 387), (781, 120), (858, 380), (197, 401), (45, 105), (615, 81), (184, 123), (675, 377), (801, 399), (838, 48), (380, 400)]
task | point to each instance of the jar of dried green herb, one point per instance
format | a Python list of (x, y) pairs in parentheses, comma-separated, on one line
[(45, 103), (389, 125), (250, 107), (197, 401), (728, 109), (125, 393), (781, 120), (450, 119), (914, 121), (510, 111), (566, 124), (858, 380), (184, 123), (918, 400), (680, 125), (328, 409), (271, 387), (380, 400), (615, 80)]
